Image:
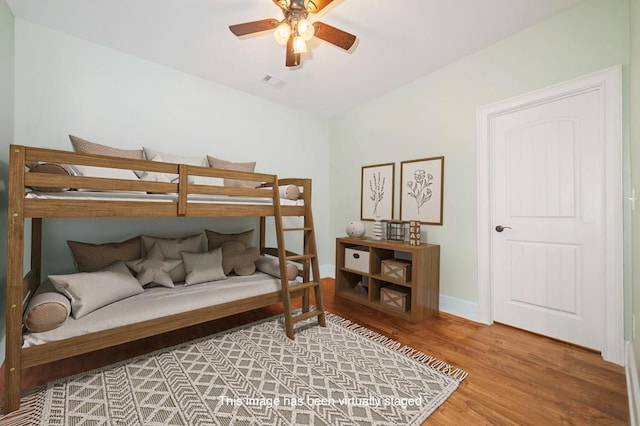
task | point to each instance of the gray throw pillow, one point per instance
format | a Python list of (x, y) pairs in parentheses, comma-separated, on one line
[(203, 267), (271, 265), (89, 291)]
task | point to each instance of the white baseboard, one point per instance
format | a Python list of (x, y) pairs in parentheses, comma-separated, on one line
[(459, 307), (327, 271), (633, 384)]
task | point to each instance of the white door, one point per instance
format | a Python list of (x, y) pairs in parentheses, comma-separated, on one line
[(547, 184), (550, 173)]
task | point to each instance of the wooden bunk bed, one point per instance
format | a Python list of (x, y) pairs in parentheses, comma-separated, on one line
[(22, 208)]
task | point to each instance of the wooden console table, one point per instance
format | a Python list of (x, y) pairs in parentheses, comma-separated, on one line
[(359, 261)]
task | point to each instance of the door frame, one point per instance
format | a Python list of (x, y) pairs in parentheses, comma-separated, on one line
[(608, 83)]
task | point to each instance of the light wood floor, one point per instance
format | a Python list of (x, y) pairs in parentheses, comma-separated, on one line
[(515, 377)]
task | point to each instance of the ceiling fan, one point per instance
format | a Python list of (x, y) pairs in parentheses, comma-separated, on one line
[(295, 29)]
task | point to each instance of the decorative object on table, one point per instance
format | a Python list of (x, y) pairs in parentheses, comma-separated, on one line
[(422, 186), (356, 229), (396, 297), (356, 258), (213, 379), (378, 231), (395, 230), (414, 232), (360, 288), (376, 191), (397, 269)]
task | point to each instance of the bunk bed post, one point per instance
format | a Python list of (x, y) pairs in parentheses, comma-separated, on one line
[(15, 269), (183, 189), (36, 249), (263, 235)]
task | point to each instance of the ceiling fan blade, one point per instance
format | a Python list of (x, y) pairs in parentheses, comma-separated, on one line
[(293, 59), (282, 4), (334, 36), (315, 6), (253, 27)]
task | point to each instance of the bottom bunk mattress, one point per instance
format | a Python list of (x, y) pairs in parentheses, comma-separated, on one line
[(158, 302)]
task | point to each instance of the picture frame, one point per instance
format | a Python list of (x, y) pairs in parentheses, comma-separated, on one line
[(421, 190), (377, 191)]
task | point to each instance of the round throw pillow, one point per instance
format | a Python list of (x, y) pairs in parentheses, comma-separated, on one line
[(47, 309)]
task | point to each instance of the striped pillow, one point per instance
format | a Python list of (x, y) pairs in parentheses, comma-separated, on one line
[(90, 257), (47, 309)]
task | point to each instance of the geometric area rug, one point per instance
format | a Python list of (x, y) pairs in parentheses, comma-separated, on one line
[(254, 375)]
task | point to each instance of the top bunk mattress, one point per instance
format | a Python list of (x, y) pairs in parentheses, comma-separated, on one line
[(141, 196), (158, 302)]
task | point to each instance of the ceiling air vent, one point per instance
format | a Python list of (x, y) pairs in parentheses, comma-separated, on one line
[(273, 81)]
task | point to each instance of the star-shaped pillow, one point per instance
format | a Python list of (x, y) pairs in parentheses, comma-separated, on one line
[(154, 268)]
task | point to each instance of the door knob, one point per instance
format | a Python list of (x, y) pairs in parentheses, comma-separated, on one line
[(501, 228)]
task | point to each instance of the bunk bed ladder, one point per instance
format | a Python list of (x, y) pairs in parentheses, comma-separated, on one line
[(309, 261)]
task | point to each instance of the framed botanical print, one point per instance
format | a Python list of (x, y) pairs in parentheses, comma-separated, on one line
[(421, 190), (376, 192)]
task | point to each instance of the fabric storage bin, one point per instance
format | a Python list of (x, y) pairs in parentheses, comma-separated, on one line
[(396, 269), (357, 258), (396, 297)]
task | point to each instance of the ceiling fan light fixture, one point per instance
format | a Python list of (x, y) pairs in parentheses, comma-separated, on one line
[(299, 45), (306, 29), (295, 29), (282, 33)]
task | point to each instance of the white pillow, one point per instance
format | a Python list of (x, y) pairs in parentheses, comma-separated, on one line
[(158, 176), (271, 265), (150, 154), (154, 155), (89, 291), (203, 267), (103, 172)]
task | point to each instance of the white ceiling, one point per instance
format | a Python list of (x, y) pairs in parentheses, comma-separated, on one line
[(398, 41)]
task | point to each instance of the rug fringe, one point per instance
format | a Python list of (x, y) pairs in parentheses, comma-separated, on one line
[(445, 368), (363, 331)]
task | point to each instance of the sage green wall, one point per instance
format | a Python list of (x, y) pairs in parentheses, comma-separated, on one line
[(6, 137), (436, 115), (65, 85)]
